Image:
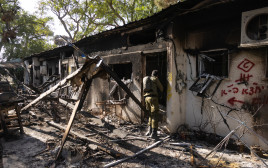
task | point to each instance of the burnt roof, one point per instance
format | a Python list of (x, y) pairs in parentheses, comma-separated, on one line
[(153, 20), (164, 16)]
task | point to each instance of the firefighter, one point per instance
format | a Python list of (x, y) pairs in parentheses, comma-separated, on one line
[(152, 105)]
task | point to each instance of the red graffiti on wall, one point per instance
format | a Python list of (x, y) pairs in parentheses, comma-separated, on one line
[(233, 100), (244, 86), (223, 92), (252, 90), (244, 78), (256, 89), (246, 65), (260, 100), (231, 90)]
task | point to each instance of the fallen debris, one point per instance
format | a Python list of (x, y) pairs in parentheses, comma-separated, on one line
[(61, 83), (94, 143), (78, 106), (129, 139), (138, 153), (69, 105), (90, 154)]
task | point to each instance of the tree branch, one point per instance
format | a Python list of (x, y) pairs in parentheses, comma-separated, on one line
[(133, 10), (110, 3)]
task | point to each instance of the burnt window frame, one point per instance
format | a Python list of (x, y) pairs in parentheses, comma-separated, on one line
[(115, 90), (141, 37), (124, 63), (208, 56)]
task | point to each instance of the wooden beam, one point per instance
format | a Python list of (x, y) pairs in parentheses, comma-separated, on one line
[(78, 106), (61, 83), (69, 105), (101, 147), (136, 154)]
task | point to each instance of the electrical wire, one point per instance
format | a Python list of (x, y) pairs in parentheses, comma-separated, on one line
[(190, 66)]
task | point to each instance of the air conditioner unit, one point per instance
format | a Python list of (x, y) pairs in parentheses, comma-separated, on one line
[(254, 28)]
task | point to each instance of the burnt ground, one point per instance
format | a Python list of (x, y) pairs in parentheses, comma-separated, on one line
[(40, 143)]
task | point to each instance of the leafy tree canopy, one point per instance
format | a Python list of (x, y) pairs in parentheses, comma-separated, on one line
[(82, 18), (22, 34), (162, 4)]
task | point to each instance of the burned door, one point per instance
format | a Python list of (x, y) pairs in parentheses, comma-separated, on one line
[(157, 61)]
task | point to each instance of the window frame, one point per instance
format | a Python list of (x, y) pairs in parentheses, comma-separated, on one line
[(200, 64)]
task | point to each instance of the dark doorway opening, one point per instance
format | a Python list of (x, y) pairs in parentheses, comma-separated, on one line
[(158, 61)]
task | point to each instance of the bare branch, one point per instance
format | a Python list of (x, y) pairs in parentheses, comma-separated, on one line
[(110, 3), (65, 27)]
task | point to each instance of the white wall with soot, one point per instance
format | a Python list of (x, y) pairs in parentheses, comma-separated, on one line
[(245, 90)]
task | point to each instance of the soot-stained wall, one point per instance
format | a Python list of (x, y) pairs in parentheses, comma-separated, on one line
[(244, 89)]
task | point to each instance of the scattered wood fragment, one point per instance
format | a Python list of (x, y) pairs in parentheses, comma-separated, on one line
[(182, 144), (101, 147), (129, 139), (192, 159), (69, 105), (136, 154), (78, 106), (61, 83), (196, 158)]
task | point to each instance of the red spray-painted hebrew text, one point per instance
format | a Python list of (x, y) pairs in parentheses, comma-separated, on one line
[(244, 85)]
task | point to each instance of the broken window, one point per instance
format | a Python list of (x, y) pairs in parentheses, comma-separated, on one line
[(73, 68), (124, 72), (213, 63), (204, 82), (212, 67), (56, 71), (50, 71), (142, 37)]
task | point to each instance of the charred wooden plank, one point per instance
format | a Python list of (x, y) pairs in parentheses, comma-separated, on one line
[(101, 147), (136, 154), (61, 83), (78, 106)]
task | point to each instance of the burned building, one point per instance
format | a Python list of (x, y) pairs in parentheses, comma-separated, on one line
[(212, 59)]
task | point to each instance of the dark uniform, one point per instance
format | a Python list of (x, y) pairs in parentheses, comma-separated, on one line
[(152, 105)]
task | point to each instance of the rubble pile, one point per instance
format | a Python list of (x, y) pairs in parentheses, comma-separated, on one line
[(56, 132), (95, 142)]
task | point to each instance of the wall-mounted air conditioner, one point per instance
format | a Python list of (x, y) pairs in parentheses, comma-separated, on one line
[(254, 28)]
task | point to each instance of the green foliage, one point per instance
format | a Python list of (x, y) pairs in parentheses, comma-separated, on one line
[(24, 34), (82, 18), (162, 4), (31, 36)]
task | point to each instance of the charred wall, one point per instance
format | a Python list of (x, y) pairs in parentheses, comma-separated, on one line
[(200, 34), (91, 45), (122, 52), (101, 88)]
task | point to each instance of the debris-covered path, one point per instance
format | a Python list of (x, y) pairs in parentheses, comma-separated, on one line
[(107, 140)]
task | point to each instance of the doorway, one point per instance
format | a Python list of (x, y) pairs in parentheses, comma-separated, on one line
[(158, 61)]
